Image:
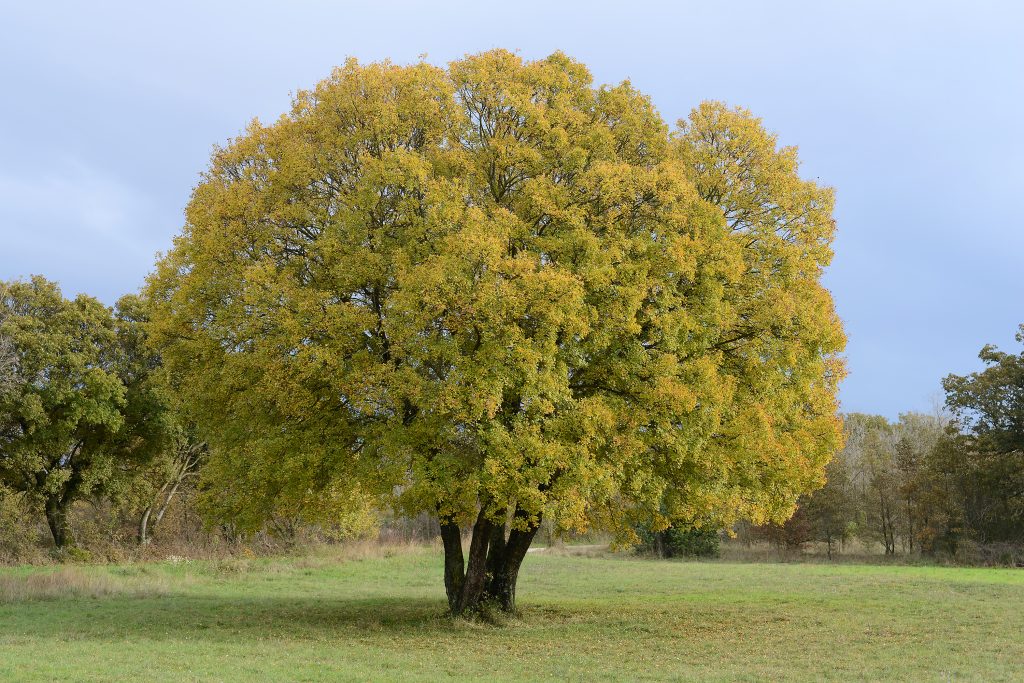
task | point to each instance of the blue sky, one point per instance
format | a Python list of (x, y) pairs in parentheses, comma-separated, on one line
[(912, 111)]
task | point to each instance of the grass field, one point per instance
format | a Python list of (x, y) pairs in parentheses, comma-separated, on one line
[(382, 618)]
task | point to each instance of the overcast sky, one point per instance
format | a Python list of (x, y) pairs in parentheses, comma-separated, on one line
[(912, 111)]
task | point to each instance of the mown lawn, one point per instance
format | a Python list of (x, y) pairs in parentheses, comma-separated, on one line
[(586, 619)]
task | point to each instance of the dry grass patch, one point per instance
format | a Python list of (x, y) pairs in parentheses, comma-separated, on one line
[(602, 550), (77, 582), (356, 551)]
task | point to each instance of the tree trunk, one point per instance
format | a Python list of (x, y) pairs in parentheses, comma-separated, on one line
[(167, 501), (454, 563), (910, 526), (663, 543), (495, 551), (502, 587), (476, 564), (491, 571), (143, 526), (57, 519)]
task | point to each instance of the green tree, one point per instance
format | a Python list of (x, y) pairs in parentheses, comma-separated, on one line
[(675, 541), (988, 442), (80, 413), (882, 487), (917, 437), (831, 511), (495, 293), (949, 486)]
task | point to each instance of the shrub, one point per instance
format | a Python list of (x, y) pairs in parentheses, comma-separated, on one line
[(680, 542)]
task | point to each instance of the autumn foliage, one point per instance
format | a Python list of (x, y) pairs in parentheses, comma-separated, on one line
[(496, 292)]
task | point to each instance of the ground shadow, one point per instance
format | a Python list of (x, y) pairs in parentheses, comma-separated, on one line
[(177, 616)]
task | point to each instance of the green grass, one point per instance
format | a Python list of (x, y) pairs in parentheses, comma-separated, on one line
[(586, 619)]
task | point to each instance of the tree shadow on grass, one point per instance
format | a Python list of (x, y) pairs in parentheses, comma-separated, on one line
[(214, 618)]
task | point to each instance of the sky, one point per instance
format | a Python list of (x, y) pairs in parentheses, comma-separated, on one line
[(911, 110)]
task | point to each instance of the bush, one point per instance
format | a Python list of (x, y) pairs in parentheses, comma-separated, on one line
[(21, 534), (680, 542)]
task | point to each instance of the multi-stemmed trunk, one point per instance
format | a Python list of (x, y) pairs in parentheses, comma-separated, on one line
[(489, 574)]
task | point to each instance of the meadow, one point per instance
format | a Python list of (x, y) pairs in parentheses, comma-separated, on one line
[(380, 615)]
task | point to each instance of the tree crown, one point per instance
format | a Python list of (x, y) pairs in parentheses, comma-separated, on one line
[(496, 284)]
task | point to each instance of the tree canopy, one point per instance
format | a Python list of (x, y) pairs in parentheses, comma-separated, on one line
[(496, 292), (79, 411)]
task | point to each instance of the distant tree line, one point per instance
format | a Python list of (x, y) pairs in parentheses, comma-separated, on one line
[(949, 485)]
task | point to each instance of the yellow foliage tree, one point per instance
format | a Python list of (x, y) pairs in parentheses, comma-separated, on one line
[(496, 292)]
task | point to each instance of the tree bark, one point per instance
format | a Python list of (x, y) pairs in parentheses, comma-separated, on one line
[(502, 585), (476, 564), (454, 563), (496, 550), (57, 519), (143, 526)]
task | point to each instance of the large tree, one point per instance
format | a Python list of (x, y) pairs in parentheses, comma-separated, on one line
[(496, 292), (80, 413)]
